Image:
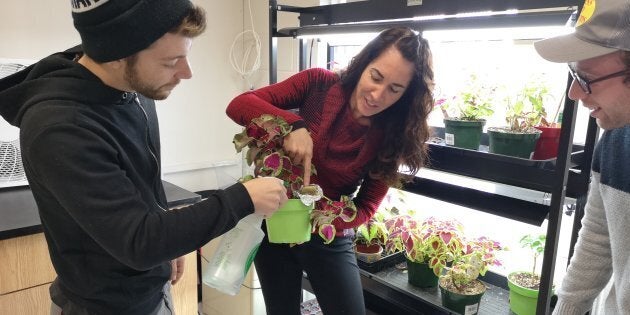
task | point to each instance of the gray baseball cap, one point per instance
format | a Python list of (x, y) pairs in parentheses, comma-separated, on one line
[(602, 28)]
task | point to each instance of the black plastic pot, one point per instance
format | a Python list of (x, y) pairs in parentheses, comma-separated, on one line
[(463, 304)]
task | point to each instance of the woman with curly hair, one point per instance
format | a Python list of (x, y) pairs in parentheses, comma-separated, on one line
[(357, 127)]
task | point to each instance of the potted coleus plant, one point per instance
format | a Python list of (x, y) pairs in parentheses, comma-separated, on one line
[(524, 285), (370, 237), (264, 137), (296, 220), (465, 114), (460, 289), (428, 245)]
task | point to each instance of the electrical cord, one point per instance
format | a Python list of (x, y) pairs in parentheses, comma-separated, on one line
[(241, 66)]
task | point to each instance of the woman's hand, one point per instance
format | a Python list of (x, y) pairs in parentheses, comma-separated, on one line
[(299, 146)]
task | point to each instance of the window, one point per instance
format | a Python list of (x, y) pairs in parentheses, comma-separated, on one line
[(507, 59)]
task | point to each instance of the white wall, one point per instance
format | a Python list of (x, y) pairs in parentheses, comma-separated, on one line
[(196, 134), (197, 150), (33, 29), (215, 83), (287, 58)]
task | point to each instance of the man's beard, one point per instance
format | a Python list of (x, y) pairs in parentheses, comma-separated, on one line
[(133, 79)]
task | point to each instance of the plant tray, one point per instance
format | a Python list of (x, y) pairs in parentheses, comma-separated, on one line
[(386, 261)]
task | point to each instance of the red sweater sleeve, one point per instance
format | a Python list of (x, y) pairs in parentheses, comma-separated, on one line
[(312, 92), (277, 99)]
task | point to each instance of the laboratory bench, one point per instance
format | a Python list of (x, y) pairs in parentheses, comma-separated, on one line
[(27, 271)]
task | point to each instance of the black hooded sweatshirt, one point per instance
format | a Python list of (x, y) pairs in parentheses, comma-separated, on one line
[(92, 158)]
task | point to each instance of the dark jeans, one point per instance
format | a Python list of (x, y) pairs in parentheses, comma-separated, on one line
[(331, 268)]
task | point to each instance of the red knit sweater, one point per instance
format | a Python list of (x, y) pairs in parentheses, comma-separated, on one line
[(342, 148)]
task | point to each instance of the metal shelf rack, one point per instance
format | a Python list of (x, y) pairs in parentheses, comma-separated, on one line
[(567, 175)]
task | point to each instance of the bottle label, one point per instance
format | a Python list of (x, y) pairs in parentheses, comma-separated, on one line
[(449, 138), (233, 258), (471, 309), (250, 259)]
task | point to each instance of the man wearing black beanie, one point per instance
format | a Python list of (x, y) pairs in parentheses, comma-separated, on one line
[(91, 151)]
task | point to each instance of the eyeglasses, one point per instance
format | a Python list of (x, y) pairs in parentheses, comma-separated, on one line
[(586, 84)]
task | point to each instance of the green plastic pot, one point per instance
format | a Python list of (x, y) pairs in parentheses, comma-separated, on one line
[(420, 275), (463, 304), (463, 133), (290, 224), (517, 144), (523, 301)]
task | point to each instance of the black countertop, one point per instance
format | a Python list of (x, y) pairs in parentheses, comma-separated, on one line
[(19, 216)]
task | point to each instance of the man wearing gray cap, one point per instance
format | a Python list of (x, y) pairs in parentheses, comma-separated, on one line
[(91, 151), (598, 55)]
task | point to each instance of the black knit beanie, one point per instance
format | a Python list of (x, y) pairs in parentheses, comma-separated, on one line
[(115, 29)]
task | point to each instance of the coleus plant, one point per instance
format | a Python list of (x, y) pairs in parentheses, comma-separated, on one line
[(264, 138), (476, 257), (432, 241)]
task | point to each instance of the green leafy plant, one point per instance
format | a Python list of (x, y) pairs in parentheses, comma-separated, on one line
[(432, 241), (264, 137), (527, 109), (536, 245), (476, 257), (374, 231), (370, 238)]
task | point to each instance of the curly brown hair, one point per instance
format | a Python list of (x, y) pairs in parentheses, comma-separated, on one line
[(404, 123)]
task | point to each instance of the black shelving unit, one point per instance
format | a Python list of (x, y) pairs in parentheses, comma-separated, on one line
[(567, 175)]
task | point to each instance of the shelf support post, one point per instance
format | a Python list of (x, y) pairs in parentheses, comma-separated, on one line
[(557, 202)]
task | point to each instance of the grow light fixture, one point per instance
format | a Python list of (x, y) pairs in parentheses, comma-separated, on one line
[(376, 15)]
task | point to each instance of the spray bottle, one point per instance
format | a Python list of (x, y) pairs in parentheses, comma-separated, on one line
[(234, 256)]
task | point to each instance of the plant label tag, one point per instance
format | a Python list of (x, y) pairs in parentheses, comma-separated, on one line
[(414, 2), (471, 309), (449, 138)]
